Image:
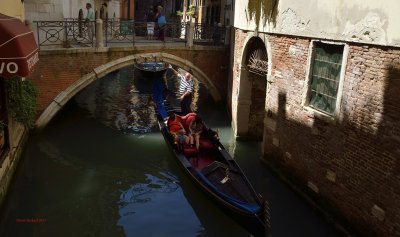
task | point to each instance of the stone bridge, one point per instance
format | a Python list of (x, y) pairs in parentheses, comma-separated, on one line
[(61, 73)]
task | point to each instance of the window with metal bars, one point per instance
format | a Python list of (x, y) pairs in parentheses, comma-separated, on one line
[(325, 76)]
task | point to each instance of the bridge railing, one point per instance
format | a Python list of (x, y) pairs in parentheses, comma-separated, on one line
[(209, 35), (56, 34), (75, 33), (118, 31)]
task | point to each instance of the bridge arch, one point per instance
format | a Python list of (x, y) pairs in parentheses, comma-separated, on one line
[(63, 97)]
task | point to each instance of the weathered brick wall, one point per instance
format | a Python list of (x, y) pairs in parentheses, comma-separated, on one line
[(352, 164), (257, 108), (240, 40), (57, 70)]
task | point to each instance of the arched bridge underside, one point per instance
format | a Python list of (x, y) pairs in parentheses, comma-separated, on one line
[(61, 74)]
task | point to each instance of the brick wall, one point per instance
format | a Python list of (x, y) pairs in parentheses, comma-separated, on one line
[(240, 40), (57, 70), (351, 164), (257, 108)]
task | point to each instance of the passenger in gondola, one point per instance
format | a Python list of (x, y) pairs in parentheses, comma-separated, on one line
[(196, 127), (177, 130)]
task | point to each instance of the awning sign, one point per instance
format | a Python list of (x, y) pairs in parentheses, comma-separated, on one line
[(18, 49)]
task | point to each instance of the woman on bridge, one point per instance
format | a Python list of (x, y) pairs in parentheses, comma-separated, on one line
[(161, 22)]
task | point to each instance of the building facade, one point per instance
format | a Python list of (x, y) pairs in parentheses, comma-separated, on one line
[(56, 10), (318, 81)]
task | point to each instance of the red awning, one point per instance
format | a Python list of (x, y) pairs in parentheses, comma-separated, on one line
[(18, 49)]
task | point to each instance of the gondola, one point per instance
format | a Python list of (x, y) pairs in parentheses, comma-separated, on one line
[(215, 172), (152, 69)]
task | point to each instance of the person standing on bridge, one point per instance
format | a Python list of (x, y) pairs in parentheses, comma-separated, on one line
[(150, 18), (89, 20), (161, 21)]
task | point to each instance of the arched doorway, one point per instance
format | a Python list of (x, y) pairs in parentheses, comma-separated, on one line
[(252, 90)]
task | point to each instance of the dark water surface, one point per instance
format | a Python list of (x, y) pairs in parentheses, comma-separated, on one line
[(101, 168)]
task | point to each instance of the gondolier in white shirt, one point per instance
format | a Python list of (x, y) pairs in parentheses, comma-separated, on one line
[(185, 92)]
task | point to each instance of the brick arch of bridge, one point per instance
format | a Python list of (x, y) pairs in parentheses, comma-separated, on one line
[(64, 96)]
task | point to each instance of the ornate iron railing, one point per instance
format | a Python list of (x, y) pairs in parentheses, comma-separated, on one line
[(117, 31), (209, 35), (80, 33), (68, 33), (258, 62)]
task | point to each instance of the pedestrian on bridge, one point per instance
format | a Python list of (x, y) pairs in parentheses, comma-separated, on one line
[(162, 22), (150, 18), (89, 20)]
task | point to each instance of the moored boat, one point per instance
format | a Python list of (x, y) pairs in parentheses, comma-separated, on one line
[(152, 69)]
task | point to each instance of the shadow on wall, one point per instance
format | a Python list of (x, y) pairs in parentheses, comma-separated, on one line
[(268, 7), (389, 128), (351, 168)]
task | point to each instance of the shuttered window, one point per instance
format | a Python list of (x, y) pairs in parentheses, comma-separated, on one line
[(325, 76)]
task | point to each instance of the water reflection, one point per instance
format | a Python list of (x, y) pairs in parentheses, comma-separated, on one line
[(154, 207), (120, 101)]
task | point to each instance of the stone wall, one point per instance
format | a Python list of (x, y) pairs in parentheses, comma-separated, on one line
[(240, 40), (349, 163), (17, 137)]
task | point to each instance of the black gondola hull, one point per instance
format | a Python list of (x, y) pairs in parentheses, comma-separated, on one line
[(256, 224)]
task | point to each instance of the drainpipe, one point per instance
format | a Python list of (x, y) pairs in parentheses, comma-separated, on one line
[(227, 35)]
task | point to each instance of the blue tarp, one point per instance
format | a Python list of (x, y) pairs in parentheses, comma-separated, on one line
[(158, 97)]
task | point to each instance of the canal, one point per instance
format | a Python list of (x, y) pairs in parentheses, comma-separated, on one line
[(101, 168)]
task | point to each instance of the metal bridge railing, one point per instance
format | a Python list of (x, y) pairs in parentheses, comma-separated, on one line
[(75, 33), (55, 34), (118, 31), (209, 35)]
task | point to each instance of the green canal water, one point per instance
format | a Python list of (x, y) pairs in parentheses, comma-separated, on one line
[(101, 168)]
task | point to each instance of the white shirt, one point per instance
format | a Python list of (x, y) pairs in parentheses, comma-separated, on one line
[(185, 85)]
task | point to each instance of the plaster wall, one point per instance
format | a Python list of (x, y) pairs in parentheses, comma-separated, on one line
[(44, 10), (12, 8), (363, 21)]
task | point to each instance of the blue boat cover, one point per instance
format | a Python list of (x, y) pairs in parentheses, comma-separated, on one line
[(248, 207), (158, 96)]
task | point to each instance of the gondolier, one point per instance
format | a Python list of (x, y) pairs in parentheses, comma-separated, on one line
[(185, 92)]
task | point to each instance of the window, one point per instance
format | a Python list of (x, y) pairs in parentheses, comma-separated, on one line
[(3, 122), (325, 76)]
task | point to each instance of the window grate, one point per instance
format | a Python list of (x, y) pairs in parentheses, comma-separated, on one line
[(326, 67)]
